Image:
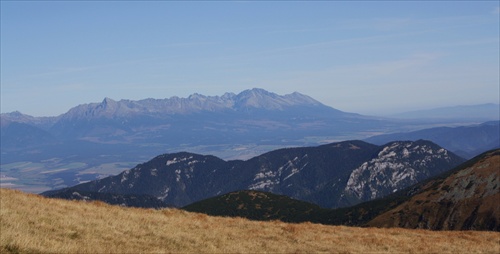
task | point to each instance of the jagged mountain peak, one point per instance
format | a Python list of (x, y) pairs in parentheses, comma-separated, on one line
[(256, 98), (108, 101), (107, 108), (262, 99)]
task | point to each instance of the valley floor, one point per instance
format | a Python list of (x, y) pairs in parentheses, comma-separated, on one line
[(33, 224)]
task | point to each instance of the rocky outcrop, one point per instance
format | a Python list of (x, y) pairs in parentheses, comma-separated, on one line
[(468, 199)]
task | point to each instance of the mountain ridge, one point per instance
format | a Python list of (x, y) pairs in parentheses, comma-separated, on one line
[(314, 174), (464, 198), (481, 112), (233, 126), (250, 98), (99, 134), (466, 141)]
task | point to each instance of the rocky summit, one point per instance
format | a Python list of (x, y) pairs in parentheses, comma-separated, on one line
[(332, 175), (467, 199)]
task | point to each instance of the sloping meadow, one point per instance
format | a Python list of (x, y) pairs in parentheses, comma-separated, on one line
[(34, 224)]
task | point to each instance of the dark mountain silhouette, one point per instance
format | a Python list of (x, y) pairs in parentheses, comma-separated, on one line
[(464, 198), (333, 175), (259, 205)]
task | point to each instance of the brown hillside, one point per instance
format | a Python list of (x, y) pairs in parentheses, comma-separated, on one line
[(33, 224), (468, 199)]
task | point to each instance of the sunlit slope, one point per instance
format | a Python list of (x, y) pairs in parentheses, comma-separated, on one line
[(31, 223), (466, 199)]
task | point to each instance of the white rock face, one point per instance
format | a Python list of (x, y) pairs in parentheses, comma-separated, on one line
[(392, 169), (266, 179)]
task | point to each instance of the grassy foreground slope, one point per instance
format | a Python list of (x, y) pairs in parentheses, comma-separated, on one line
[(33, 224)]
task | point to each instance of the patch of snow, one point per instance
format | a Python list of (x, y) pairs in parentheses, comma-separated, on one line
[(263, 185), (262, 175), (164, 194), (177, 160), (295, 171), (177, 175), (170, 162), (125, 176), (80, 196)]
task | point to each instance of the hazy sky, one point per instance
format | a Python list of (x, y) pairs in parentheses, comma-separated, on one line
[(364, 57)]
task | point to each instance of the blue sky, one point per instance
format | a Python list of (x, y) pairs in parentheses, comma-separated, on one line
[(368, 57)]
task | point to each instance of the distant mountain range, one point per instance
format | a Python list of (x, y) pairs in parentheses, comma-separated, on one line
[(465, 198), (247, 101), (238, 118), (481, 112), (95, 140), (466, 141), (98, 139), (251, 116), (334, 175)]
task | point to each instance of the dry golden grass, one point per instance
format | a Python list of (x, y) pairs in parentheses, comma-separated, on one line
[(33, 224)]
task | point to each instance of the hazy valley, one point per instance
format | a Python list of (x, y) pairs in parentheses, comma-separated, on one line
[(96, 140)]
